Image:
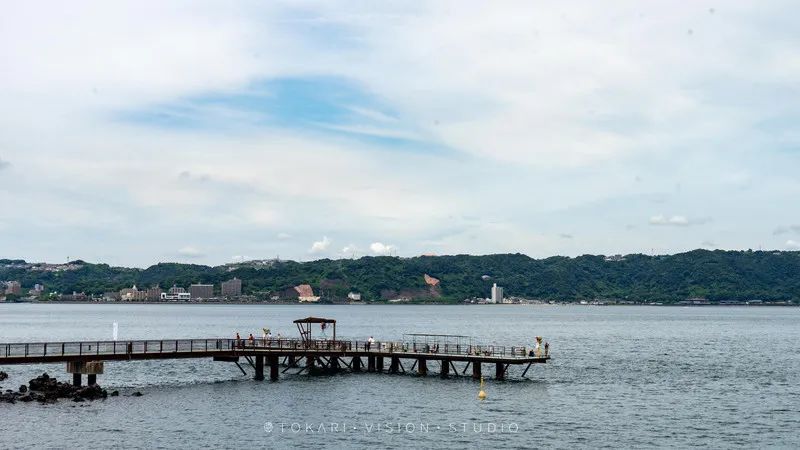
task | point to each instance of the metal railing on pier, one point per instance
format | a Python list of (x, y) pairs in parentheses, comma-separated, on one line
[(226, 345)]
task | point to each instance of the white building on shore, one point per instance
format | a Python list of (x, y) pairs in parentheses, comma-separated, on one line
[(497, 294)]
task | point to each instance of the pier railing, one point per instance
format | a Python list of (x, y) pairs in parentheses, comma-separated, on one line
[(40, 349), (225, 345)]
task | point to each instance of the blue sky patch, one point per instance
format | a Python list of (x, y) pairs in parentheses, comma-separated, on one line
[(333, 106)]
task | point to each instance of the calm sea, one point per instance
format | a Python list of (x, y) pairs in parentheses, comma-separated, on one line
[(620, 377)]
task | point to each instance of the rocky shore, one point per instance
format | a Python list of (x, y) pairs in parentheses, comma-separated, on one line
[(47, 389)]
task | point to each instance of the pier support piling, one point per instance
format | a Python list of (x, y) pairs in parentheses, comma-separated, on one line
[(476, 371), (356, 364), (422, 367), (445, 369), (500, 371), (290, 361), (273, 368), (526, 369), (79, 368), (394, 364), (259, 366), (379, 363), (370, 364)]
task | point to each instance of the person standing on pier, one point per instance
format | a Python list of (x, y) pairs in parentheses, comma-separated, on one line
[(370, 341)]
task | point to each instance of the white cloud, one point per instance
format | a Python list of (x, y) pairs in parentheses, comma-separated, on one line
[(577, 104), (190, 252), (320, 246), (678, 221), (382, 249), (792, 244)]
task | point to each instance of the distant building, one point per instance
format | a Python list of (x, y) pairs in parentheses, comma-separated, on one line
[(201, 291), (132, 294), (153, 294), (180, 296), (354, 296), (74, 297), (231, 288), (175, 290), (497, 294), (13, 287)]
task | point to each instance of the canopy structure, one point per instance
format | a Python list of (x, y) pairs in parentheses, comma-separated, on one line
[(304, 326)]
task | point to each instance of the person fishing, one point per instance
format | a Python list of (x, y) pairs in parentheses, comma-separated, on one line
[(546, 348)]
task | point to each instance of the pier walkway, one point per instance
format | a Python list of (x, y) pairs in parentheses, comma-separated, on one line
[(302, 354)]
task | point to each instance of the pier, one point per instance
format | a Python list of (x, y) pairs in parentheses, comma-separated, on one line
[(448, 355)]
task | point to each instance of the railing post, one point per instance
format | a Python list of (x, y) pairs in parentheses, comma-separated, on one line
[(176, 346), (160, 346), (98, 347), (44, 353), (62, 349), (145, 346)]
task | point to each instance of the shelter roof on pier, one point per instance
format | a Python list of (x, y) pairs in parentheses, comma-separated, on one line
[(315, 320)]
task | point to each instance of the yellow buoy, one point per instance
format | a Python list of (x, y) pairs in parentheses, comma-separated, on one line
[(482, 393)]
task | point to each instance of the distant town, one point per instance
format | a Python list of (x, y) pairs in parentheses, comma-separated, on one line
[(696, 278), (231, 292)]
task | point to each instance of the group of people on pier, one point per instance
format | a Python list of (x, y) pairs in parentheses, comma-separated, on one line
[(536, 351)]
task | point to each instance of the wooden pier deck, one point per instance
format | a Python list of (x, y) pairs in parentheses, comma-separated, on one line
[(300, 355)]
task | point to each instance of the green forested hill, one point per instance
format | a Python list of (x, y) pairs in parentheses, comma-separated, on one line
[(715, 275)]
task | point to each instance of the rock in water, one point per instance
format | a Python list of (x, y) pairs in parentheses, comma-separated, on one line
[(45, 388), (3, 375)]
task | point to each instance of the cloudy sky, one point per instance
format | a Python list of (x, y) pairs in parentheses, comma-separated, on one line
[(138, 132)]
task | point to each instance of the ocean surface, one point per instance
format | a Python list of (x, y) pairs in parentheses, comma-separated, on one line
[(630, 377)]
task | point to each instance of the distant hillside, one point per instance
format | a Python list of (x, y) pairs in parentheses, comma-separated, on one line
[(715, 275)]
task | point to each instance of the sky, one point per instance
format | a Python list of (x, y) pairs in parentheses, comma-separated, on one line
[(138, 132)]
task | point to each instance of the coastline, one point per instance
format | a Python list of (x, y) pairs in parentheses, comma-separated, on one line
[(385, 303)]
